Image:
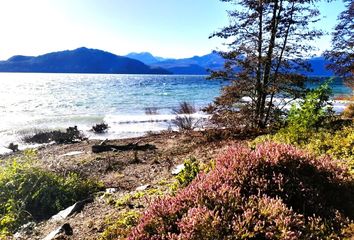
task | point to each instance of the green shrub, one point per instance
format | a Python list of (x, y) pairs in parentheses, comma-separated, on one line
[(121, 227), (312, 127), (186, 176), (308, 117), (31, 193), (134, 198), (338, 144), (272, 192)]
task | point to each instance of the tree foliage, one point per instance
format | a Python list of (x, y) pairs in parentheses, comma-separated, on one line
[(341, 55), (267, 42)]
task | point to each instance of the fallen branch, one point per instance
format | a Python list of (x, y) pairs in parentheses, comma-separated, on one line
[(127, 147)]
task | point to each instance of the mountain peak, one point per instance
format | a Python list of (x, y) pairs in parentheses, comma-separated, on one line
[(144, 57), (80, 60)]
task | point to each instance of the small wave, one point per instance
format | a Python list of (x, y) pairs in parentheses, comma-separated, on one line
[(129, 119)]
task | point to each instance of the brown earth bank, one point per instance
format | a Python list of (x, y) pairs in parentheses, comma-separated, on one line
[(121, 173)]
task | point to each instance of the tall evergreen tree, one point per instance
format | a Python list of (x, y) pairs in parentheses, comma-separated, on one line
[(341, 55), (267, 41)]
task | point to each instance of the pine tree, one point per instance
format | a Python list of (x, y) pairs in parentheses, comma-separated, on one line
[(267, 41), (341, 55)]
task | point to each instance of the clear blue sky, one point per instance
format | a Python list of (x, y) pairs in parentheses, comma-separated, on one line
[(167, 28)]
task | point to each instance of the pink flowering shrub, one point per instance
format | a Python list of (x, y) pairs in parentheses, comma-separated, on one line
[(272, 192)]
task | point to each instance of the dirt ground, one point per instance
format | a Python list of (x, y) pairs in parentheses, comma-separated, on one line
[(123, 171)]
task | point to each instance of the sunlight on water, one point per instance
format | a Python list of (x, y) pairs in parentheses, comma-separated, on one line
[(45, 101), (49, 101)]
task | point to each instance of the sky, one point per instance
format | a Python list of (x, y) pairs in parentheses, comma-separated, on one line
[(166, 28)]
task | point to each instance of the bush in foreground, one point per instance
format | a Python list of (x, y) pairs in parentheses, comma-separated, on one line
[(272, 192), (336, 142), (29, 193)]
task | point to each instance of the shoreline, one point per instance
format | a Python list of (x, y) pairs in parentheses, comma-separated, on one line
[(154, 123)]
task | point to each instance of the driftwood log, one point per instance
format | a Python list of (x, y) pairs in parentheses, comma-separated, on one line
[(127, 147)]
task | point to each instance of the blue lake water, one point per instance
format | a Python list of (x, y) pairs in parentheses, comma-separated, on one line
[(49, 101)]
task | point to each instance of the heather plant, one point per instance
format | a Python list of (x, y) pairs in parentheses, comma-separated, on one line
[(130, 199), (271, 192), (29, 193)]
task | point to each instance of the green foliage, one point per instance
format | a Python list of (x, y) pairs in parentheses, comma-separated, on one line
[(309, 116), (186, 176), (129, 198), (339, 145), (120, 228), (31, 193)]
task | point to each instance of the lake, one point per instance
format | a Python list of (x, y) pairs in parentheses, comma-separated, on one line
[(31, 101)]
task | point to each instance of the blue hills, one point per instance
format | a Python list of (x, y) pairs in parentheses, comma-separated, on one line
[(81, 60), (85, 60), (213, 61), (145, 57), (193, 65)]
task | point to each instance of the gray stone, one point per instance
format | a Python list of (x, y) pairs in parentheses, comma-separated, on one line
[(24, 229), (64, 229), (142, 188), (111, 190), (177, 169), (77, 207), (73, 153)]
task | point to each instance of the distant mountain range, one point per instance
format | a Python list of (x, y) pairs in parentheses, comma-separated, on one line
[(146, 57), (193, 65), (85, 60), (81, 60), (201, 64)]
